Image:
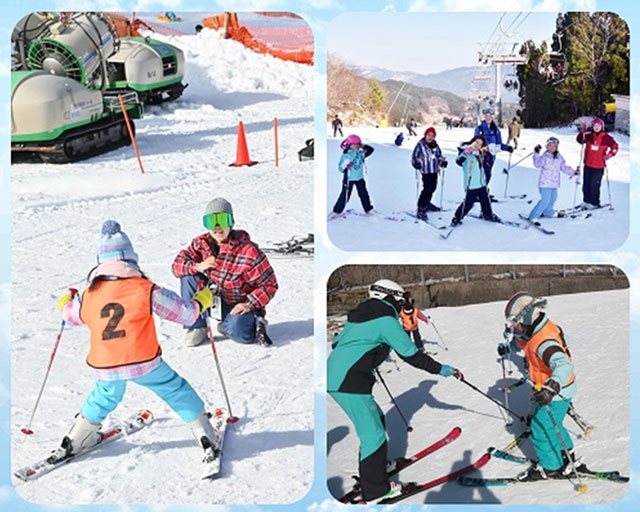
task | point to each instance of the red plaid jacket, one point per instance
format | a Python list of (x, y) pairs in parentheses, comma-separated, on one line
[(242, 271)]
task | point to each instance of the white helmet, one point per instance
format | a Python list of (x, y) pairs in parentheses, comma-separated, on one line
[(523, 308), (383, 287)]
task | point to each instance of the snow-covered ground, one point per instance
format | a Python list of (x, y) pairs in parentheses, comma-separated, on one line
[(597, 327), (186, 148), (391, 182)]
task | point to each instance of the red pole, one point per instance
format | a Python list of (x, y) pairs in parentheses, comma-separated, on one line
[(275, 135), (131, 136)]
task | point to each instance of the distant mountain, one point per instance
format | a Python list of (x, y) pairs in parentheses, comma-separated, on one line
[(457, 81)]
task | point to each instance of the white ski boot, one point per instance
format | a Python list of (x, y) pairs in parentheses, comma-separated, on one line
[(82, 436), (195, 337), (208, 438)]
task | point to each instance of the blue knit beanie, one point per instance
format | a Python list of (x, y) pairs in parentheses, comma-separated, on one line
[(115, 244)]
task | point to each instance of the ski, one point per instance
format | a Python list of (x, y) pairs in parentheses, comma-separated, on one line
[(219, 420), (504, 222), (413, 489), (119, 430), (612, 476), (517, 196), (295, 246), (517, 441), (428, 222), (577, 209), (535, 224), (403, 463)]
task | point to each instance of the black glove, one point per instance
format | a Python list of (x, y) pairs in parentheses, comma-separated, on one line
[(503, 348), (444, 163), (416, 166), (546, 394), (510, 149), (537, 148)]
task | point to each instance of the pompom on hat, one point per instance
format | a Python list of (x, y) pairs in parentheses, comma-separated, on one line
[(115, 245)]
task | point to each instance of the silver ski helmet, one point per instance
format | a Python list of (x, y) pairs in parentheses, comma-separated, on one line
[(523, 308), (383, 287)]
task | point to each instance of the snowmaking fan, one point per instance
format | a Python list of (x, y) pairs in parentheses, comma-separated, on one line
[(76, 48)]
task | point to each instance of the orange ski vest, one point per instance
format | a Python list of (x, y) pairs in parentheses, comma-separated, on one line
[(409, 320), (118, 314), (539, 371)]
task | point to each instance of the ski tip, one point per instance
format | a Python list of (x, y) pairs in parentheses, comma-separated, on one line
[(233, 419), (26, 431), (146, 415)]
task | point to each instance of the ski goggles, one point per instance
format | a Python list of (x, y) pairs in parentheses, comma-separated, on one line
[(553, 140), (222, 219), (488, 111)]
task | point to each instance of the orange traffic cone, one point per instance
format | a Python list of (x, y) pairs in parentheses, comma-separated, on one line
[(242, 151)]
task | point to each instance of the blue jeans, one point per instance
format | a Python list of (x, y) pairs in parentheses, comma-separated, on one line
[(163, 381), (544, 207), (240, 328)]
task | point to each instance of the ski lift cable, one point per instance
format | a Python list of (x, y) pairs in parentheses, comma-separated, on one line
[(492, 33)]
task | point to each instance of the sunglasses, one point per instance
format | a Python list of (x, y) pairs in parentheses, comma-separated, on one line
[(223, 219)]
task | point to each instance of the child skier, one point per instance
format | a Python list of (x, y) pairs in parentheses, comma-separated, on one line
[(550, 163), (117, 308), (427, 158), (409, 316), (599, 147), (550, 366), (351, 165), (371, 331), (471, 157), (245, 279)]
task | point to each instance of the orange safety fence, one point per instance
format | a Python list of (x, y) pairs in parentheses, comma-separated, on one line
[(287, 43)]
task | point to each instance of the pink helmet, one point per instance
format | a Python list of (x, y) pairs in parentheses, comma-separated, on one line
[(597, 120), (351, 139)]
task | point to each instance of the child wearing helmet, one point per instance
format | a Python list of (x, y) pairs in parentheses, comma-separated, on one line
[(118, 307), (471, 156), (371, 331), (550, 163), (409, 317), (599, 147), (352, 165), (242, 273), (551, 371)]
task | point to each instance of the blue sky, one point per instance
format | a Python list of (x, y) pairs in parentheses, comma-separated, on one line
[(319, 14), (429, 42)]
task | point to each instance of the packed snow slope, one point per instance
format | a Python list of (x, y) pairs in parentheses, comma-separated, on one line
[(597, 327), (391, 181), (186, 148)]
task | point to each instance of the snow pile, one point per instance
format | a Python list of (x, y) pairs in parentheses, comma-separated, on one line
[(186, 149), (391, 181), (598, 336)]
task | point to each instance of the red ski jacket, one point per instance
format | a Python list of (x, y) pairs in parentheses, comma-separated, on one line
[(598, 148)]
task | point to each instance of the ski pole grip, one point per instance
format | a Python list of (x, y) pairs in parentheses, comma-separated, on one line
[(73, 292), (200, 284)]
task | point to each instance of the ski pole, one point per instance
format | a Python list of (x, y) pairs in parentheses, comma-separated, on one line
[(586, 427), (417, 192), (458, 375), (232, 419), (504, 387), (444, 345), (575, 189), (581, 486), (606, 173), (393, 400), (442, 189), (27, 430), (506, 171), (506, 185)]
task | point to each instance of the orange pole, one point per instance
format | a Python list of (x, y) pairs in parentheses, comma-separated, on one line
[(131, 136), (275, 134)]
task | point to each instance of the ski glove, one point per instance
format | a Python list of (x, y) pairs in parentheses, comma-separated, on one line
[(510, 149), (66, 298), (203, 297), (503, 348), (537, 148), (545, 394), (416, 166), (447, 371), (606, 156), (444, 163)]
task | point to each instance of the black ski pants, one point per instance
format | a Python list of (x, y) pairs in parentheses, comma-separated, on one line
[(429, 185), (417, 339), (591, 185), (478, 194), (345, 194)]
